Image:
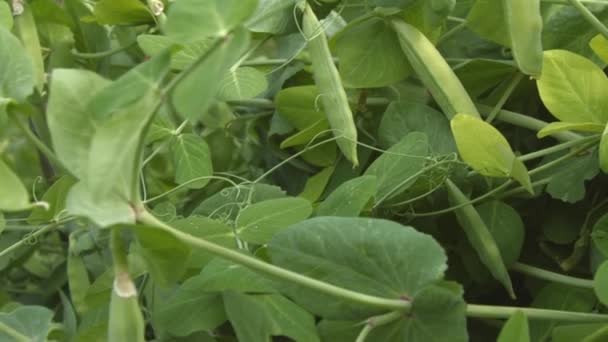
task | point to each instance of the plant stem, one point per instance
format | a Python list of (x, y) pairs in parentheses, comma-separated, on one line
[(454, 30), (102, 54), (521, 189), (505, 96), (32, 138), (8, 330), (376, 321), (557, 148), (119, 254), (592, 19), (32, 236), (504, 312), (271, 270), (551, 276)]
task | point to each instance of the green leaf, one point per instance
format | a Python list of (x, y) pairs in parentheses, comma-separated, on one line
[(425, 322), (599, 234), (153, 45), (211, 18), (556, 127), (300, 106), (507, 228), (307, 134), (164, 254), (599, 44), (603, 150), (397, 168), (350, 198), (487, 19), (403, 117), (481, 75), (568, 182), (516, 329), (191, 100), (315, 185), (576, 332), (363, 255), (360, 48), (124, 12), (55, 196), (600, 283), (242, 84), (572, 88), (70, 122), (259, 222), (486, 150), (32, 322), (2, 223), (17, 77), (272, 16), (106, 211), (221, 275), (191, 309), (258, 317), (13, 194), (192, 160), (6, 16)]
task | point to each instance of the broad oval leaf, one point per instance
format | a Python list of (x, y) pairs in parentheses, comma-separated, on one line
[(556, 127), (32, 322), (600, 283), (259, 222), (507, 228), (13, 194), (272, 16), (192, 160), (315, 185), (371, 256), (6, 16), (16, 70), (486, 150), (124, 12), (599, 234), (516, 329), (350, 198), (241, 84), (573, 88), (198, 19)]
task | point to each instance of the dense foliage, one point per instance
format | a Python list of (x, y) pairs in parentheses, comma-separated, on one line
[(330, 170)]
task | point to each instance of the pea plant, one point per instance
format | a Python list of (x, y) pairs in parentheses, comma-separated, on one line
[(292, 170)]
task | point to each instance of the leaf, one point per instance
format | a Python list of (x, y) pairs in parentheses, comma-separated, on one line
[(599, 44), (575, 332), (568, 182), (210, 18), (481, 75), (350, 198), (242, 84), (397, 168), (363, 255), (55, 196), (192, 160), (600, 283), (259, 222), (6, 16), (70, 122), (191, 100), (507, 228), (370, 55), (315, 185), (403, 117), (258, 317), (153, 45), (603, 150), (164, 254), (107, 211), (272, 16), (572, 88), (2, 223), (306, 135), (486, 150), (556, 127), (32, 322), (13, 194), (191, 309), (516, 329), (124, 12), (300, 106), (16, 70), (599, 234), (221, 275)]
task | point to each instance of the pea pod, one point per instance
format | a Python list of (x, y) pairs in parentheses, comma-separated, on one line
[(78, 278), (126, 320), (332, 94), (479, 236), (434, 71), (524, 25)]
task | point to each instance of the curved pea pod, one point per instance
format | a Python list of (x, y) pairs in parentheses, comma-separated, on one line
[(126, 320), (524, 25), (332, 94), (434, 71), (479, 236), (78, 278)]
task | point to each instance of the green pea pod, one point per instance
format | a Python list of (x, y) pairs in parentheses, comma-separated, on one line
[(25, 26), (434, 71), (332, 94), (479, 236), (78, 278), (524, 25), (126, 320)]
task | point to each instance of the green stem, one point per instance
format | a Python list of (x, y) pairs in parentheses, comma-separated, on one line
[(504, 312), (274, 271), (32, 236), (377, 321), (454, 30), (102, 54), (592, 19), (119, 253), (17, 336), (521, 189), (32, 138), (505, 96), (551, 276), (558, 148)]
